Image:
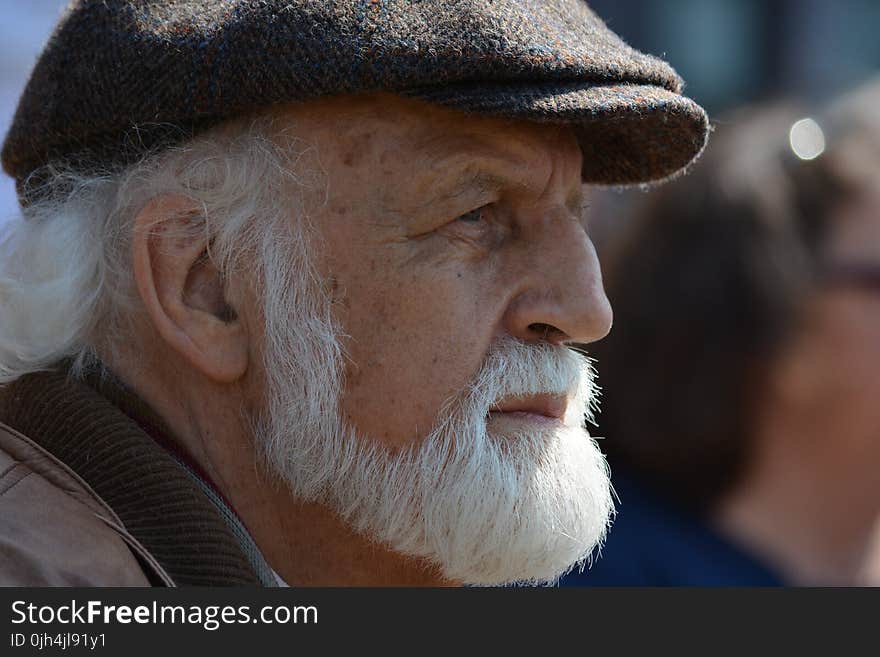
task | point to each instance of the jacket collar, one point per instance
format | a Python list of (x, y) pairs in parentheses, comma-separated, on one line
[(159, 501)]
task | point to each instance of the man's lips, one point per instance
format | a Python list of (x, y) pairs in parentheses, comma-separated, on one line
[(547, 406)]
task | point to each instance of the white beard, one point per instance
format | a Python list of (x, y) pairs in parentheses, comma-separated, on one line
[(487, 506)]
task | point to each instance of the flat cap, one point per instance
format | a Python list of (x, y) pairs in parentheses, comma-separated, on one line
[(163, 69)]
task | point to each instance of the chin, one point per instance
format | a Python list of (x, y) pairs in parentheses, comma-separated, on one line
[(522, 504)]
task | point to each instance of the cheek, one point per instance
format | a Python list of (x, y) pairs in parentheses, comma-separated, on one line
[(413, 343), (851, 354)]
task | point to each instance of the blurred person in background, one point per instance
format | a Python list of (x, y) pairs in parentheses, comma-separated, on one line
[(741, 390)]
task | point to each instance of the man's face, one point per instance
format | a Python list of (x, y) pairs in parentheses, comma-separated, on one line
[(437, 409), (443, 233)]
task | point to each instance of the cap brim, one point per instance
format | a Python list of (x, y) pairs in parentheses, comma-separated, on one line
[(630, 134)]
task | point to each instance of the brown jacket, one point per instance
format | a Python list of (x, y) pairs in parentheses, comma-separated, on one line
[(88, 497), (56, 531)]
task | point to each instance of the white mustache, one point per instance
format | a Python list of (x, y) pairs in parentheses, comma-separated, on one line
[(514, 368)]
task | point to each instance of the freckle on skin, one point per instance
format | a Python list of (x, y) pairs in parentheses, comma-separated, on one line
[(359, 145)]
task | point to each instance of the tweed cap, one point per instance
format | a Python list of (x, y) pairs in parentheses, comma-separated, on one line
[(118, 77)]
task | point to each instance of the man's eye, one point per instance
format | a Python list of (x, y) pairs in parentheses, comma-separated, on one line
[(473, 216)]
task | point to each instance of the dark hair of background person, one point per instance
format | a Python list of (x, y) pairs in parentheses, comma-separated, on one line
[(708, 283)]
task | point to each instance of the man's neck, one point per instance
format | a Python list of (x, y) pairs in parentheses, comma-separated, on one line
[(306, 544)]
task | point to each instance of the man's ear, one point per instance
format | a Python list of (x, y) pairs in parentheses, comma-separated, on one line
[(183, 292)]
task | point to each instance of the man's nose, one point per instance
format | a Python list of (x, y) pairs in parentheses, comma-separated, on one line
[(561, 298)]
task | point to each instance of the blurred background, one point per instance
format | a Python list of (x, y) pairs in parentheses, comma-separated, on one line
[(730, 52), (739, 384)]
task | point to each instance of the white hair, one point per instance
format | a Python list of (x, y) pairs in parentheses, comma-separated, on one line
[(66, 282)]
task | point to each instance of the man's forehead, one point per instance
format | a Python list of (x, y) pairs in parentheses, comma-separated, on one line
[(384, 129)]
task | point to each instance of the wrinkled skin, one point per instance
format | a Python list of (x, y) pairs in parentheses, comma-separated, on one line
[(437, 232), (424, 286)]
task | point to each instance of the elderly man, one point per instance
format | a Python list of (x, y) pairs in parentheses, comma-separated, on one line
[(295, 292)]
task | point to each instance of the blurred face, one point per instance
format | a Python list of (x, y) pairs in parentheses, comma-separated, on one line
[(840, 342), (440, 410), (848, 319)]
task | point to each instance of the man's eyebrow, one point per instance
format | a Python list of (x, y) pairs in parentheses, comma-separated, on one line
[(457, 174), (482, 179), (579, 201)]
